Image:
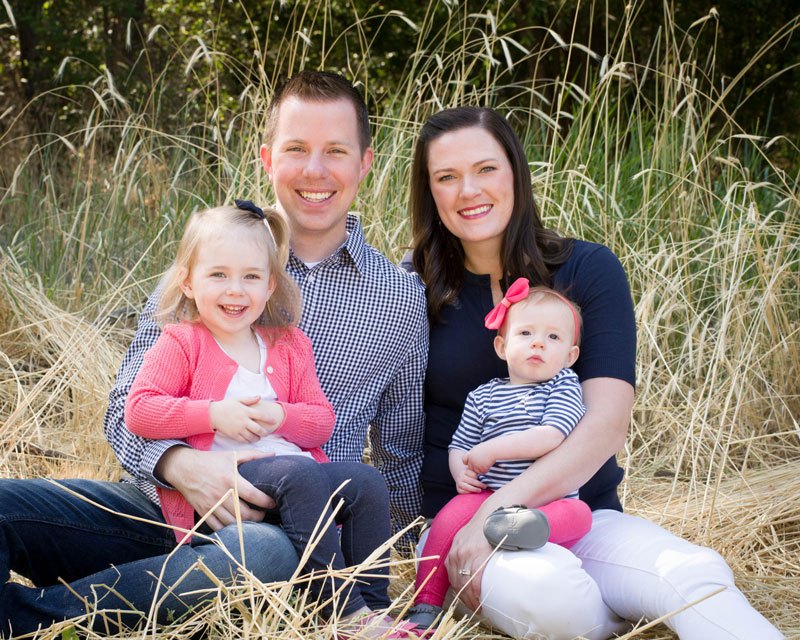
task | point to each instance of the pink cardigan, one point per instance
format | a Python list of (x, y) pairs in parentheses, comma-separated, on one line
[(186, 369)]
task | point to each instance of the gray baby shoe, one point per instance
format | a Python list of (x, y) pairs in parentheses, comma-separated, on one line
[(517, 527), (424, 616)]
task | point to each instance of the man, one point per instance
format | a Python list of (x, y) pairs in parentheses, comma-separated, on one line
[(367, 322)]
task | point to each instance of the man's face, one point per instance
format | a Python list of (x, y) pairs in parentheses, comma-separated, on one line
[(315, 164)]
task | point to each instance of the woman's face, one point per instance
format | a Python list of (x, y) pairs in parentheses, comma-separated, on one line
[(472, 184)]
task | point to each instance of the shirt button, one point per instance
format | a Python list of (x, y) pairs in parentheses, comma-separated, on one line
[(269, 370)]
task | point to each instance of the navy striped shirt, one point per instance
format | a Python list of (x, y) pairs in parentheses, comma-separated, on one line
[(498, 408), (367, 322)]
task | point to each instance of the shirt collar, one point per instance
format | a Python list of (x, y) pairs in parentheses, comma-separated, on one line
[(353, 250)]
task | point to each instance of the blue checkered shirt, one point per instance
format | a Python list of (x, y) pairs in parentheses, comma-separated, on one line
[(367, 323)]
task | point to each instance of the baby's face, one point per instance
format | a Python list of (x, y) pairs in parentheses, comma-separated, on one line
[(538, 340)]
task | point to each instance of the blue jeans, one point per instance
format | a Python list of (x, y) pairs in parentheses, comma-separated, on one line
[(48, 535), (302, 488)]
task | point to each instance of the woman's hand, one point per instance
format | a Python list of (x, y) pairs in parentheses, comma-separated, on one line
[(469, 553)]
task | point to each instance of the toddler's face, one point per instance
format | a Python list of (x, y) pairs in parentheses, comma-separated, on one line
[(230, 283), (538, 340)]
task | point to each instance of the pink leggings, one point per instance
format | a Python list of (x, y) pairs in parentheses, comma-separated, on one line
[(569, 521)]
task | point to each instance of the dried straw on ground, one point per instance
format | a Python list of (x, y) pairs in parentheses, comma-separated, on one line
[(56, 369)]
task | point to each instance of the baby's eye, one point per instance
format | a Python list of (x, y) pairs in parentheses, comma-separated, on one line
[(525, 333), (218, 274), (554, 336)]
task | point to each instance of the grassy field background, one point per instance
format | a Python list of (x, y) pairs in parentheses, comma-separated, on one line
[(639, 154)]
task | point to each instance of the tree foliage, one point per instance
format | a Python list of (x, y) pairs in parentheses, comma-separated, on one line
[(62, 45)]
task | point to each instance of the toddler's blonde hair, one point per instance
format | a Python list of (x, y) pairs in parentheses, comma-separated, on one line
[(272, 233)]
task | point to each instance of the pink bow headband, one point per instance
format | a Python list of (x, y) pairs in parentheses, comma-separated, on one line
[(519, 291)]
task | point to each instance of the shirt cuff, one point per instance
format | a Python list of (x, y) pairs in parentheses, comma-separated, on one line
[(152, 454)]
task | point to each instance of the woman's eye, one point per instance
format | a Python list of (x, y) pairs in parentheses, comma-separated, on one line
[(486, 169)]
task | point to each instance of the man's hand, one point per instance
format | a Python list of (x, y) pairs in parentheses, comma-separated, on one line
[(203, 477), (480, 458)]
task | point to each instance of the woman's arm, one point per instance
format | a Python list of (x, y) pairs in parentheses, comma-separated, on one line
[(598, 436)]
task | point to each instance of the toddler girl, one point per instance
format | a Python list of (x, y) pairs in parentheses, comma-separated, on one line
[(507, 423), (234, 374)]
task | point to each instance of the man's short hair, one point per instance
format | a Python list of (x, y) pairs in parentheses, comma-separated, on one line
[(319, 86)]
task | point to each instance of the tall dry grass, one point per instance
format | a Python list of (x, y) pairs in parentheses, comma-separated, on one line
[(641, 156)]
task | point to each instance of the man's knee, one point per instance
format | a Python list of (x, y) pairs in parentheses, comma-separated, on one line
[(263, 550)]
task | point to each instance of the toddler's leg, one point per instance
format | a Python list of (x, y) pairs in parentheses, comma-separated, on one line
[(300, 487), (569, 520), (365, 524), (454, 515)]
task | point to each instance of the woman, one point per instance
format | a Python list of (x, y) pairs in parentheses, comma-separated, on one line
[(476, 229)]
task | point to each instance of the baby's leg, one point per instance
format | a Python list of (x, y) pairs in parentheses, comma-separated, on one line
[(447, 523), (569, 520), (301, 489)]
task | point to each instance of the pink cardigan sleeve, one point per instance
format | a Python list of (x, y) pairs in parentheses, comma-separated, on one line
[(309, 416), (157, 405)]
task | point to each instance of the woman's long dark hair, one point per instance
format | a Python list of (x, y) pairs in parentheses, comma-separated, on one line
[(528, 249)]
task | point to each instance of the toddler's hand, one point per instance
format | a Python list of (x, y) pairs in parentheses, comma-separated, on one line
[(480, 458), (270, 415), (467, 482), (237, 418)]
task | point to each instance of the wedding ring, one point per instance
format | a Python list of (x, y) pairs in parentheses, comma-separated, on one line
[(464, 572)]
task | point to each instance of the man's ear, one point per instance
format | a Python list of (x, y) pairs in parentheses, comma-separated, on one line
[(500, 346), (574, 352), (186, 283), (266, 159), (366, 162)]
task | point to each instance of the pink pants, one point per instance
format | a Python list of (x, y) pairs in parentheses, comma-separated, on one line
[(569, 521)]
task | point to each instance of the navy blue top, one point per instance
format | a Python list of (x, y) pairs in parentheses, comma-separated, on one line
[(462, 357)]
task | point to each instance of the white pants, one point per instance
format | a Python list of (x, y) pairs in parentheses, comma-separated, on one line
[(625, 568)]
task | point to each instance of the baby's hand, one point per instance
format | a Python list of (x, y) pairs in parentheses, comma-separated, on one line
[(237, 418), (467, 482), (480, 458)]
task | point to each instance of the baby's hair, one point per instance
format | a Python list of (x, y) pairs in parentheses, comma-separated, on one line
[(537, 294), (272, 232)]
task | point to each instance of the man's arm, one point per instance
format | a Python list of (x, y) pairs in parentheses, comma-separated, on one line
[(398, 429)]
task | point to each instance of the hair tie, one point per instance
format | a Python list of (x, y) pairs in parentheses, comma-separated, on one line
[(247, 205)]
